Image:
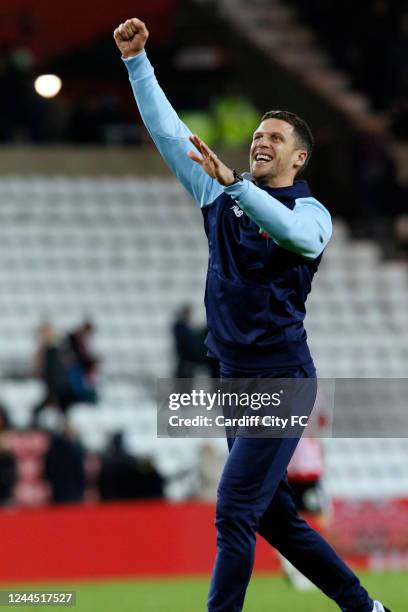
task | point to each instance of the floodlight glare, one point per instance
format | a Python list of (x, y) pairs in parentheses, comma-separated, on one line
[(47, 85)]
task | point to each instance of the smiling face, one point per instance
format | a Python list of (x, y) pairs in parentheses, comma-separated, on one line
[(275, 154)]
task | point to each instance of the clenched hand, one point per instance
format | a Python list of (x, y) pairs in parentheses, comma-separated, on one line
[(131, 37)]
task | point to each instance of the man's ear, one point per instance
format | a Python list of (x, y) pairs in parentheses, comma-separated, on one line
[(300, 157)]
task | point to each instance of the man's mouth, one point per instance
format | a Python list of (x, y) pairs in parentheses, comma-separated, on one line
[(262, 158)]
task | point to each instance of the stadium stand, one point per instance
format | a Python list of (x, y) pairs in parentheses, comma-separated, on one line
[(108, 248), (275, 28), (127, 252)]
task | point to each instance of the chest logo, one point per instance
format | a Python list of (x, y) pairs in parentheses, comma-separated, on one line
[(237, 211)]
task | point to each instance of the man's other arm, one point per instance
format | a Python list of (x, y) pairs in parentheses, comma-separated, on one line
[(305, 230)]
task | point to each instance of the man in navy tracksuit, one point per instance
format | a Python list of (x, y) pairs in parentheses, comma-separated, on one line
[(266, 234)]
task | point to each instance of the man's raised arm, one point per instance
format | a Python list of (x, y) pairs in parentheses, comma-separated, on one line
[(168, 132)]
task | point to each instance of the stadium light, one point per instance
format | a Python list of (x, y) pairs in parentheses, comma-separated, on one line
[(47, 85)]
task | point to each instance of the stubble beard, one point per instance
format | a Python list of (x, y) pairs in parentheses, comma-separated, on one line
[(263, 178)]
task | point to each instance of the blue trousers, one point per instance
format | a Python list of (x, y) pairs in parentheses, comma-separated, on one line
[(254, 496)]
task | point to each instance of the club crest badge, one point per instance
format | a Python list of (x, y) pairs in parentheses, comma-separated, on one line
[(237, 211)]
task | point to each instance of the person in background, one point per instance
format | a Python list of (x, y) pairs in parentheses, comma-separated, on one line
[(82, 363), (209, 468), (305, 473), (64, 462), (123, 476), (185, 343), (8, 470), (49, 367), (191, 352)]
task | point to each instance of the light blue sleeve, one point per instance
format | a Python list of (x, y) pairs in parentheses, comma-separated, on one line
[(169, 133), (305, 230)]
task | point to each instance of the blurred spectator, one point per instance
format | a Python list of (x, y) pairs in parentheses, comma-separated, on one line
[(201, 122), (82, 363), (191, 351), (231, 121), (305, 473), (185, 343), (236, 118), (64, 463), (8, 471), (50, 368), (209, 467), (125, 477), (4, 420)]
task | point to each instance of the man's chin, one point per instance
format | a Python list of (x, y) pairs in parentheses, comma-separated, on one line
[(258, 174)]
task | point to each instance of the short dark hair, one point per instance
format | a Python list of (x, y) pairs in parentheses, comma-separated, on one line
[(303, 133)]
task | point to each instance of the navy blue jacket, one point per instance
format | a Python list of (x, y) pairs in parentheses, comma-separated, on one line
[(256, 290)]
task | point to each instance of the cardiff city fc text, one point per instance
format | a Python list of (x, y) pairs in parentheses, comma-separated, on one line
[(244, 421)]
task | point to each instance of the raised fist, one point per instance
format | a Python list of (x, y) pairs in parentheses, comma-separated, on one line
[(131, 37)]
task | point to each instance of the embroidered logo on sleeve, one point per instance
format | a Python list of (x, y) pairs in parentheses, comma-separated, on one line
[(237, 211)]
